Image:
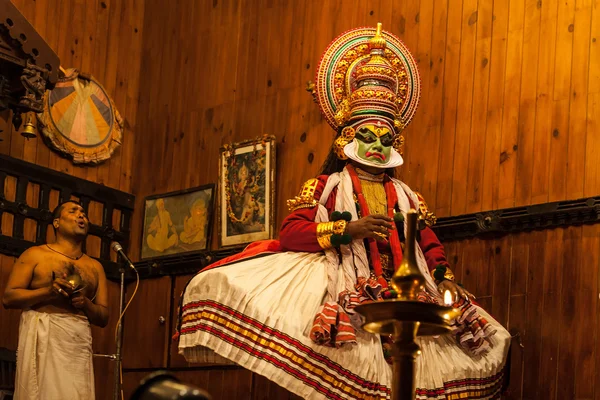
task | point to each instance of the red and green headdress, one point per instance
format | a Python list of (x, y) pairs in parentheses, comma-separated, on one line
[(367, 77)]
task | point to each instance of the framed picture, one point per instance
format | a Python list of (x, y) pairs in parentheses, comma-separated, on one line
[(246, 191), (177, 222)]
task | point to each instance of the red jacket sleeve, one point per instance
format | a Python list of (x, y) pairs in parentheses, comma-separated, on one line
[(299, 229), (432, 249)]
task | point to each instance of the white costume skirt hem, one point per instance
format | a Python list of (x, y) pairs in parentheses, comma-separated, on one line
[(258, 313)]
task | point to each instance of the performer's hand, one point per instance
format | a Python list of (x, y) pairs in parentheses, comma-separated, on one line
[(371, 226), (456, 290), (60, 287), (80, 302)]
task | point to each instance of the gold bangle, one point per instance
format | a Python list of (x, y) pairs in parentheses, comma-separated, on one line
[(325, 228), (324, 232), (339, 227), (325, 242)]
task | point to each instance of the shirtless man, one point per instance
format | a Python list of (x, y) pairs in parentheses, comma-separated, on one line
[(61, 291)]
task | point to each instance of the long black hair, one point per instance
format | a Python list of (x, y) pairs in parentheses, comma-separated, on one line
[(332, 163)]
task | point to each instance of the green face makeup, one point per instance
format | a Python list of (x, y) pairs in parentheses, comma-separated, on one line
[(373, 148)]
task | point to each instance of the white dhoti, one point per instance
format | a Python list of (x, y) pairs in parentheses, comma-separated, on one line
[(54, 357)]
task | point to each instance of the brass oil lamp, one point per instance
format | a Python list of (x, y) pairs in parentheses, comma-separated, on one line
[(405, 318)]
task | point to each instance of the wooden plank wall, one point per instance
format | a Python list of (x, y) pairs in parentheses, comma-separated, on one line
[(508, 116), (102, 37), (543, 286)]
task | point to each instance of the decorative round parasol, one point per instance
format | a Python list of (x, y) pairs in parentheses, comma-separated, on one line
[(338, 67), (80, 120)]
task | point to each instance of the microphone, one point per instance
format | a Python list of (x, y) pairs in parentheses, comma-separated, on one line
[(117, 248)]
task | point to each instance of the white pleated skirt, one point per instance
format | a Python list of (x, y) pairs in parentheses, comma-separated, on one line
[(258, 314)]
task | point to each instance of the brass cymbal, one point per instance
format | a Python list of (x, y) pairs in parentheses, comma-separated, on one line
[(75, 280)]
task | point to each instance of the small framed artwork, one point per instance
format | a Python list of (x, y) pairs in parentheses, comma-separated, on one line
[(177, 222), (246, 191)]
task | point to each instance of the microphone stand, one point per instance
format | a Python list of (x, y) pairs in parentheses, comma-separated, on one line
[(117, 357)]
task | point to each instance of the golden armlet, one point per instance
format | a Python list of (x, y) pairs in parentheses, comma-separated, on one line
[(324, 232)]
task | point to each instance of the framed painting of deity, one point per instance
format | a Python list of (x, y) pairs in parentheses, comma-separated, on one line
[(246, 191), (177, 222)]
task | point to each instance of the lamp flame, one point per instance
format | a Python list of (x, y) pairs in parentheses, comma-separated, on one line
[(448, 298)]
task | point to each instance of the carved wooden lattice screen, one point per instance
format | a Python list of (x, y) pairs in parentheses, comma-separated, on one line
[(28, 193)]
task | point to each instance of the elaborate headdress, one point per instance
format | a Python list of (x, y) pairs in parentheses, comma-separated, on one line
[(367, 76)]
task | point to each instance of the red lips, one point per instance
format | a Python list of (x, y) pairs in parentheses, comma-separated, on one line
[(378, 155)]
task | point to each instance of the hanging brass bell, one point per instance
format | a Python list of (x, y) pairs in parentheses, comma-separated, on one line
[(29, 129)]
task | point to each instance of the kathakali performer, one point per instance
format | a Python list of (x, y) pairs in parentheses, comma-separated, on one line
[(285, 308)]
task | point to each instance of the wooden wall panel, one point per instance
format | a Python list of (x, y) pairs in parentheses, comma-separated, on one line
[(542, 286), (96, 37), (147, 334), (264, 389), (8, 318), (509, 142), (525, 149), (104, 343), (478, 112), (502, 121), (448, 117), (493, 130)]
